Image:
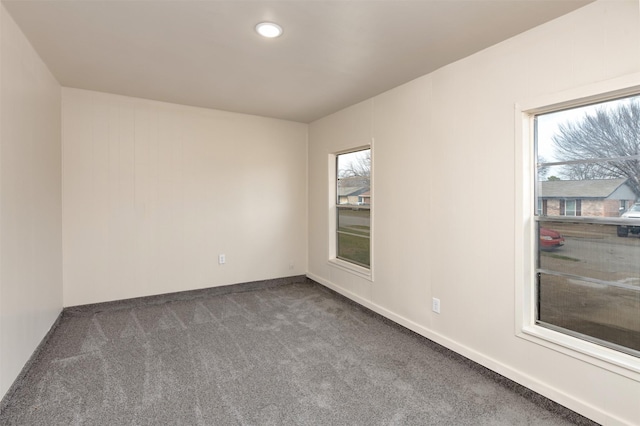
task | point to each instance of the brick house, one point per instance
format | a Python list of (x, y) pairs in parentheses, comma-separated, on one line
[(352, 194), (354, 190), (598, 197)]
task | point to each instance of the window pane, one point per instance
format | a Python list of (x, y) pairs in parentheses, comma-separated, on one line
[(355, 221), (354, 249), (353, 207), (588, 168), (354, 230), (603, 312), (354, 178), (570, 208)]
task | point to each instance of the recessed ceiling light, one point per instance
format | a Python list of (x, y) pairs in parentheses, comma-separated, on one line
[(269, 29)]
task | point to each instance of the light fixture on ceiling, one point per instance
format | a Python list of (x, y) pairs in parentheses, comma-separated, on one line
[(269, 29)]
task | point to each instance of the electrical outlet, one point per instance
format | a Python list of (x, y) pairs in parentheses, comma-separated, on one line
[(435, 306), (222, 259)]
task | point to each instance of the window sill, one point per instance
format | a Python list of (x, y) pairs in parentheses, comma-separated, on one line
[(354, 269), (600, 356)]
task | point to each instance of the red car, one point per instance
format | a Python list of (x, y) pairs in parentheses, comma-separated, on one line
[(550, 239)]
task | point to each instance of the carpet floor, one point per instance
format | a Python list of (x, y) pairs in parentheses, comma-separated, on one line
[(290, 354)]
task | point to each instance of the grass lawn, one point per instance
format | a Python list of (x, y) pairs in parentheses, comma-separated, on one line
[(354, 248)]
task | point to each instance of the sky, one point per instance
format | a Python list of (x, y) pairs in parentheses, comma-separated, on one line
[(548, 124)]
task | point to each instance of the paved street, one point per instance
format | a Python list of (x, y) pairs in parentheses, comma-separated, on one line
[(356, 221), (608, 258)]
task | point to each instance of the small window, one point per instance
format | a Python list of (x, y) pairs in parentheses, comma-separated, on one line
[(571, 208), (588, 241), (353, 207), (623, 206), (542, 207)]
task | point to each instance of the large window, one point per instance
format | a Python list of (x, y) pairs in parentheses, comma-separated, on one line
[(587, 264), (353, 207)]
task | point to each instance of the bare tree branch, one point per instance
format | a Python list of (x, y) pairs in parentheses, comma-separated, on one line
[(609, 132), (359, 166)]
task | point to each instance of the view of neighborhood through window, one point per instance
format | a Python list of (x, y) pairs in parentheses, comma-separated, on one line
[(588, 222), (353, 207)]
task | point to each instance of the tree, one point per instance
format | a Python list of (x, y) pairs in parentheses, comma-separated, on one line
[(609, 132), (585, 172), (359, 165), (542, 170)]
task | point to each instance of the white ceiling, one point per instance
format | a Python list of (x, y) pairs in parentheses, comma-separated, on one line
[(206, 53)]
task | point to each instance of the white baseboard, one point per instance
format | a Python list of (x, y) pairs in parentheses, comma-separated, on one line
[(525, 380)]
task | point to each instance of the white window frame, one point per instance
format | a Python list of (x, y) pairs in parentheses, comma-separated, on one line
[(525, 244), (333, 260)]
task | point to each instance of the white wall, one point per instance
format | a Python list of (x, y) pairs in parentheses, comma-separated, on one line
[(446, 142), (30, 201), (153, 192)]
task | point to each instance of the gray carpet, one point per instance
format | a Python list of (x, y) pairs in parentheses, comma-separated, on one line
[(280, 354)]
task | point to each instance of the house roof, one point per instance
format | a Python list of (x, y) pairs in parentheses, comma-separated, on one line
[(352, 181), (596, 188), (346, 191)]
